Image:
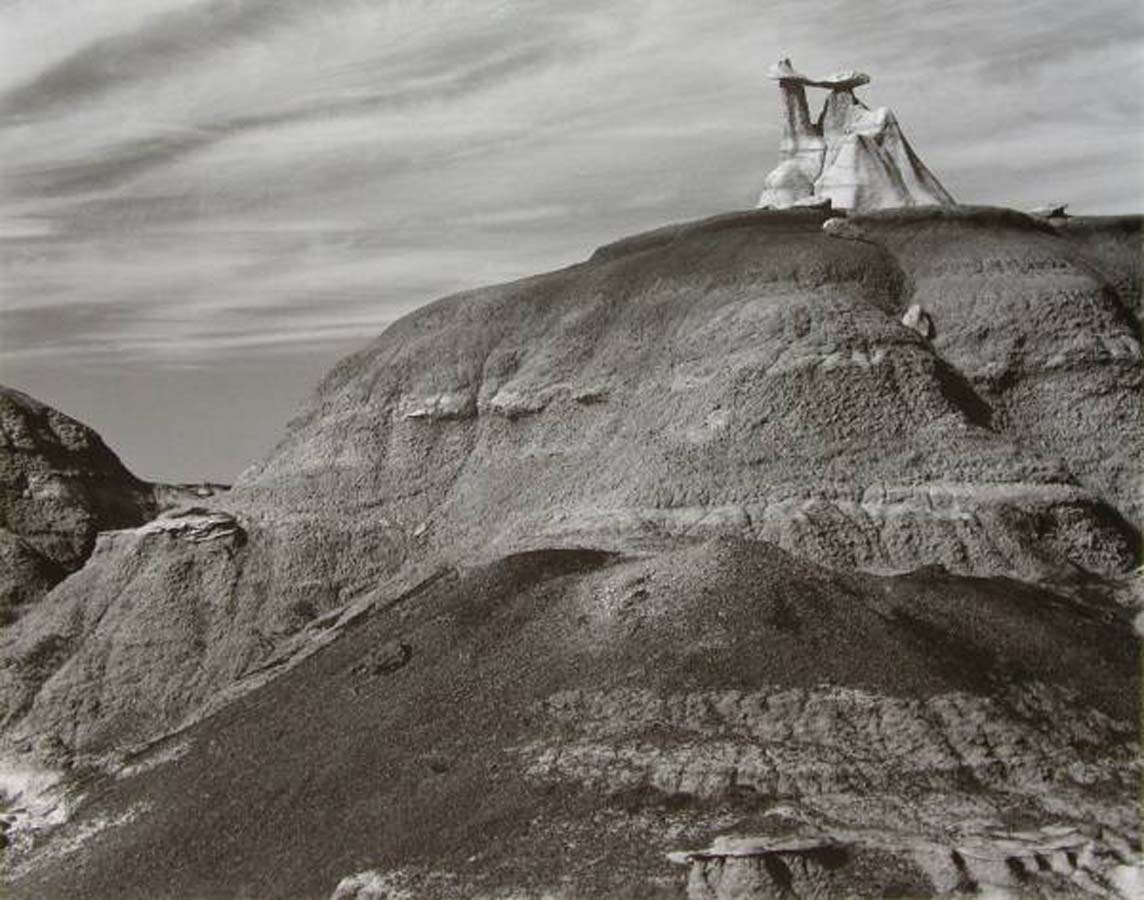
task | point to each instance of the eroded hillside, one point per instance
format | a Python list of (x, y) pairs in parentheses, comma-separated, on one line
[(949, 393), (558, 722)]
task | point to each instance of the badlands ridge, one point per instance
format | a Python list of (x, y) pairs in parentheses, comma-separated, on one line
[(745, 558)]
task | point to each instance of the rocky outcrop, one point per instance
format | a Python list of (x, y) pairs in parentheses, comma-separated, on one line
[(92, 670), (1044, 337), (829, 741), (195, 524), (851, 157), (59, 486)]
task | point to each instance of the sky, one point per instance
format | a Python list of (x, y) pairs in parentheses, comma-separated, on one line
[(204, 204)]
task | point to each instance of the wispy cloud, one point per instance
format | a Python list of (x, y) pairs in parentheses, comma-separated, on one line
[(431, 126), (186, 34)]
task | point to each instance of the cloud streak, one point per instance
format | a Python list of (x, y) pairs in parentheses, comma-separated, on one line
[(428, 127), (171, 38)]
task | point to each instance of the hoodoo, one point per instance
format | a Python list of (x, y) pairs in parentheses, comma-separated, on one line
[(853, 157)]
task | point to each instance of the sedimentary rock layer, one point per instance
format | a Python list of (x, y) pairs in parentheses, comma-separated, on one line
[(60, 486)]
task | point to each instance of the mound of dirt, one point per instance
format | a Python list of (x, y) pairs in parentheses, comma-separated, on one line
[(559, 722)]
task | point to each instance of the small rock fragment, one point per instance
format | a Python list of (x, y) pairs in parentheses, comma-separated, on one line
[(389, 657), (370, 885), (917, 319), (842, 228)]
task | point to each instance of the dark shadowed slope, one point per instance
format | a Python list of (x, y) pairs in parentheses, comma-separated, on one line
[(561, 720)]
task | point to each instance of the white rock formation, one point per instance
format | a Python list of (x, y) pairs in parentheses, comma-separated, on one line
[(1050, 211), (852, 156)]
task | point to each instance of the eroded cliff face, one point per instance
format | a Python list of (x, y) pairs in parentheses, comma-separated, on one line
[(1058, 860), (908, 391), (1047, 339), (749, 374)]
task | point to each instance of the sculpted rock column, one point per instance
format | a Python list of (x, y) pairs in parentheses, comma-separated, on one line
[(852, 157), (802, 148)]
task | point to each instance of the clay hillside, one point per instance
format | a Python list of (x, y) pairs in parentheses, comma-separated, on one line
[(778, 554)]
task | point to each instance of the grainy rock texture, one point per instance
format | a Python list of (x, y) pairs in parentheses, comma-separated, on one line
[(1111, 245), (559, 724), (1053, 861), (1048, 340), (747, 375), (28, 574), (949, 393)]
